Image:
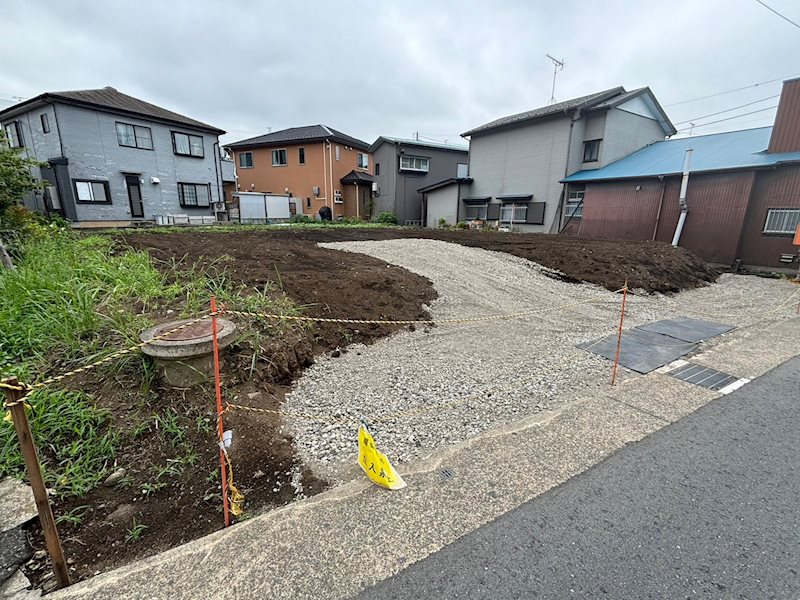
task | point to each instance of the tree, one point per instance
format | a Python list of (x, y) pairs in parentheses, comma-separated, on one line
[(15, 181), (15, 174)]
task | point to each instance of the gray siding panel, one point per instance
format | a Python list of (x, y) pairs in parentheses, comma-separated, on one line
[(398, 189), (527, 159), (90, 143), (625, 133)]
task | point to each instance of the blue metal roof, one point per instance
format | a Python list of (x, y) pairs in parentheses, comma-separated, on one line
[(715, 152)]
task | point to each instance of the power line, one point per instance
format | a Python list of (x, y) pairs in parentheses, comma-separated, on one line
[(752, 112), (726, 110), (785, 18), (747, 87)]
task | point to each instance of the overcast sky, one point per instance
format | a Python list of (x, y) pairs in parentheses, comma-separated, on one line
[(394, 68)]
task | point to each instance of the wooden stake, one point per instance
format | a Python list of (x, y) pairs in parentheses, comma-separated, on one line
[(220, 426), (619, 332), (34, 470)]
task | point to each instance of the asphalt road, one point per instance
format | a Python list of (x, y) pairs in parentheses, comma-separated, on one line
[(706, 508)]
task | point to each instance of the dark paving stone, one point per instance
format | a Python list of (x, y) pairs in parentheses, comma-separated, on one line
[(641, 351), (14, 552), (687, 330)]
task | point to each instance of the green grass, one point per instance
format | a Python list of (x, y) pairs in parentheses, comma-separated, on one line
[(76, 444), (72, 300)]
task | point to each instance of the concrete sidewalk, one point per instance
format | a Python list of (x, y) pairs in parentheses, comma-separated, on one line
[(336, 544), (705, 508)]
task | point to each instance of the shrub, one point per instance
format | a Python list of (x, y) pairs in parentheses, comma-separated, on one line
[(350, 221), (442, 222), (462, 225), (388, 218), (301, 219)]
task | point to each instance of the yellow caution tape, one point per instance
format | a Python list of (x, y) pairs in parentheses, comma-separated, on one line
[(375, 464)]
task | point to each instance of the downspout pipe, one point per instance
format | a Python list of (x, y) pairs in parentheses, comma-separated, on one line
[(687, 163)]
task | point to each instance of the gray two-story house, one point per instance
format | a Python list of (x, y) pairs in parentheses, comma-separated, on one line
[(115, 160), (516, 163), (403, 167)]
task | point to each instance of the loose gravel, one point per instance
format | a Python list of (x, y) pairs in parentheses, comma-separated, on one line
[(454, 381)]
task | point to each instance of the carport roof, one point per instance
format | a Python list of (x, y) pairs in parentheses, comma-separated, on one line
[(444, 183), (731, 150)]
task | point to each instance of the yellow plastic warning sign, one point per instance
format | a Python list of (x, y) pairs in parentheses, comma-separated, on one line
[(375, 464)]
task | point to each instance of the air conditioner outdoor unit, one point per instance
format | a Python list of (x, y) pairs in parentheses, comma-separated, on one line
[(219, 207)]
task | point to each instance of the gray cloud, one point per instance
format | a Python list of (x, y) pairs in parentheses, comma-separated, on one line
[(379, 68)]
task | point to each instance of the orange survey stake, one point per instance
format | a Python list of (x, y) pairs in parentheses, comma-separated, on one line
[(796, 240)]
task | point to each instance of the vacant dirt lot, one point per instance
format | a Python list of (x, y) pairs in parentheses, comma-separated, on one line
[(334, 283), (650, 266)]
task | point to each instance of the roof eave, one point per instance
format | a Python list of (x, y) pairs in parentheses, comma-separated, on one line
[(50, 97)]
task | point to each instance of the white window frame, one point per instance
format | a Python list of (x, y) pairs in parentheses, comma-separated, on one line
[(276, 157), (363, 160), (782, 221), (482, 210), (338, 152), (337, 197), (575, 200), (417, 164), (513, 212)]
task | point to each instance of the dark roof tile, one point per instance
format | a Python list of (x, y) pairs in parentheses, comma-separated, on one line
[(300, 134), (110, 98), (546, 111)]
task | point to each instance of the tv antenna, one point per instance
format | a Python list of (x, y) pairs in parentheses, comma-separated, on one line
[(557, 66)]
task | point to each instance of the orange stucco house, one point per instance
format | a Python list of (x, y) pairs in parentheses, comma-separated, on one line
[(315, 164)]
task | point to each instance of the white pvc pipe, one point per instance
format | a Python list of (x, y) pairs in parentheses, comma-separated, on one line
[(687, 162)]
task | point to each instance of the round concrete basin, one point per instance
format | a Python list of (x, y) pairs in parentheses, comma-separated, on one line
[(185, 357)]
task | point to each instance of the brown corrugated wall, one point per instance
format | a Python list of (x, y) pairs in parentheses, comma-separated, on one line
[(786, 132), (717, 205), (619, 210), (779, 188)]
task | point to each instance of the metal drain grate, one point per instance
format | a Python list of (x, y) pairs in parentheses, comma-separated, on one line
[(703, 376), (446, 474)]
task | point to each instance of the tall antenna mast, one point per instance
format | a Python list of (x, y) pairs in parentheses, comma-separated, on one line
[(557, 66)]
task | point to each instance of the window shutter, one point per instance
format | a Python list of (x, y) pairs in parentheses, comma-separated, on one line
[(493, 212), (536, 213)]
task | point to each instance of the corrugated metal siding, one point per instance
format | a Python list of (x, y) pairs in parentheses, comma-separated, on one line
[(786, 132), (619, 210), (773, 189), (717, 205)]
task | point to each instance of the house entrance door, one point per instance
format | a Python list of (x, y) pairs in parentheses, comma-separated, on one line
[(135, 196)]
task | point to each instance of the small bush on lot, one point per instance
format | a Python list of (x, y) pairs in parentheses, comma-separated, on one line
[(301, 219), (387, 218), (76, 444)]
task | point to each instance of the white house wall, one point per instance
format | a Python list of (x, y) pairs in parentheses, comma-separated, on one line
[(625, 133), (526, 159), (442, 204)]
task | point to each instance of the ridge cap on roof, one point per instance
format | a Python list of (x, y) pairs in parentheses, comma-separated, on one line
[(578, 102)]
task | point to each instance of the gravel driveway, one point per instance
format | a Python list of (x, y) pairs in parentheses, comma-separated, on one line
[(535, 357)]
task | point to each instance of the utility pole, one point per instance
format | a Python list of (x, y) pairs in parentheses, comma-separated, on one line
[(558, 65)]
